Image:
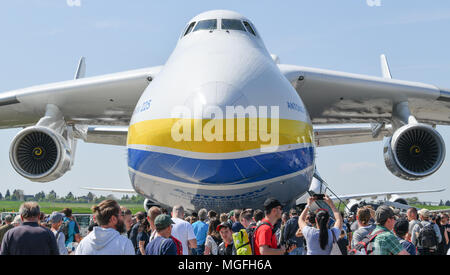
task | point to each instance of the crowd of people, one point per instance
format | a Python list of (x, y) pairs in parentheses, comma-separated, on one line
[(114, 230)]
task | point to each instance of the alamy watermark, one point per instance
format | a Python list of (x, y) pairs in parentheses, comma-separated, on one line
[(262, 126)]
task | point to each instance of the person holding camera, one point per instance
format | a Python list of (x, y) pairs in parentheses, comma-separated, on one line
[(319, 239)]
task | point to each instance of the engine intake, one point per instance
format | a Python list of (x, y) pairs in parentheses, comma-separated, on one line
[(414, 151), (40, 154)]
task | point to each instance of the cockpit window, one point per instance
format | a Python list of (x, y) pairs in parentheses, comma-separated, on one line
[(189, 29), (249, 28), (210, 24), (232, 24)]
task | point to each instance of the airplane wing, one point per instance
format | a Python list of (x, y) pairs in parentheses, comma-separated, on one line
[(114, 190), (333, 97), (375, 195), (101, 100)]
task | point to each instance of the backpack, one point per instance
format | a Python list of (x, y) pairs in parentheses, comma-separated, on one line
[(241, 242), (427, 236), (365, 246), (178, 244), (252, 232), (64, 229)]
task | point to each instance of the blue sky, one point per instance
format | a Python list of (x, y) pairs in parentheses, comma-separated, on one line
[(42, 40)]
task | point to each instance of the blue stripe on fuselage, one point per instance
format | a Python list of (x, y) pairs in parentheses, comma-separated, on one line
[(226, 171)]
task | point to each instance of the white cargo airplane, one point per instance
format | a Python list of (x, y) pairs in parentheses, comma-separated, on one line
[(221, 67)]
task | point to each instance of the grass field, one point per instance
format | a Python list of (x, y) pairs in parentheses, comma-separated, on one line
[(49, 207)]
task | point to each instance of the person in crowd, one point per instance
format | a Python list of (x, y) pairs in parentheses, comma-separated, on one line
[(211, 215), (153, 212), (231, 218), (127, 219), (143, 237), (279, 233), (343, 242), (201, 231), (363, 217), (401, 228), (265, 242), (237, 226), (6, 227), (411, 214), (385, 242), (213, 238), (140, 217), (73, 230), (227, 246), (163, 244), (29, 238), (444, 227), (17, 221), (247, 219), (188, 219), (55, 221), (223, 217), (258, 215), (183, 230), (319, 239), (290, 233), (106, 238), (194, 217), (417, 238)]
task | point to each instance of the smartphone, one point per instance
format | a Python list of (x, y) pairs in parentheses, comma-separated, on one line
[(319, 196)]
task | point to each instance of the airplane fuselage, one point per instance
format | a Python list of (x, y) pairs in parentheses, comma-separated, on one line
[(220, 127)]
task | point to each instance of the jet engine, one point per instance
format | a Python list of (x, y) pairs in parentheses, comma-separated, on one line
[(149, 204), (398, 199), (414, 151), (40, 154)]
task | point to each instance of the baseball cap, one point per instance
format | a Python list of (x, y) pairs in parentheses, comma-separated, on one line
[(231, 214), (424, 212), (224, 224), (383, 213), (55, 217), (163, 221), (271, 203)]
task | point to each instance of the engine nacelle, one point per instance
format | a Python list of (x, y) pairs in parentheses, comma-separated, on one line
[(40, 154), (398, 199), (149, 204), (414, 151)]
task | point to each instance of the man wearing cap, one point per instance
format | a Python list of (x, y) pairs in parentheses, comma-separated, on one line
[(386, 243), (227, 246), (55, 220), (4, 228), (162, 244), (265, 238), (424, 216)]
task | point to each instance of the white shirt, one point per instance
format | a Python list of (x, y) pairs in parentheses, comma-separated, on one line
[(183, 231)]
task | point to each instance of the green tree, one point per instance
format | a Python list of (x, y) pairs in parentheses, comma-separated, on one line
[(447, 203), (90, 197), (1, 196), (40, 196), (70, 197), (14, 196), (51, 196), (7, 195)]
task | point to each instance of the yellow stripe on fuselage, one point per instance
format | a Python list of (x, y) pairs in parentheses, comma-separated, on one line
[(159, 132)]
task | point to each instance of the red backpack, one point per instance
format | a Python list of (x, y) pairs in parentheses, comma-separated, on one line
[(365, 246), (178, 244)]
